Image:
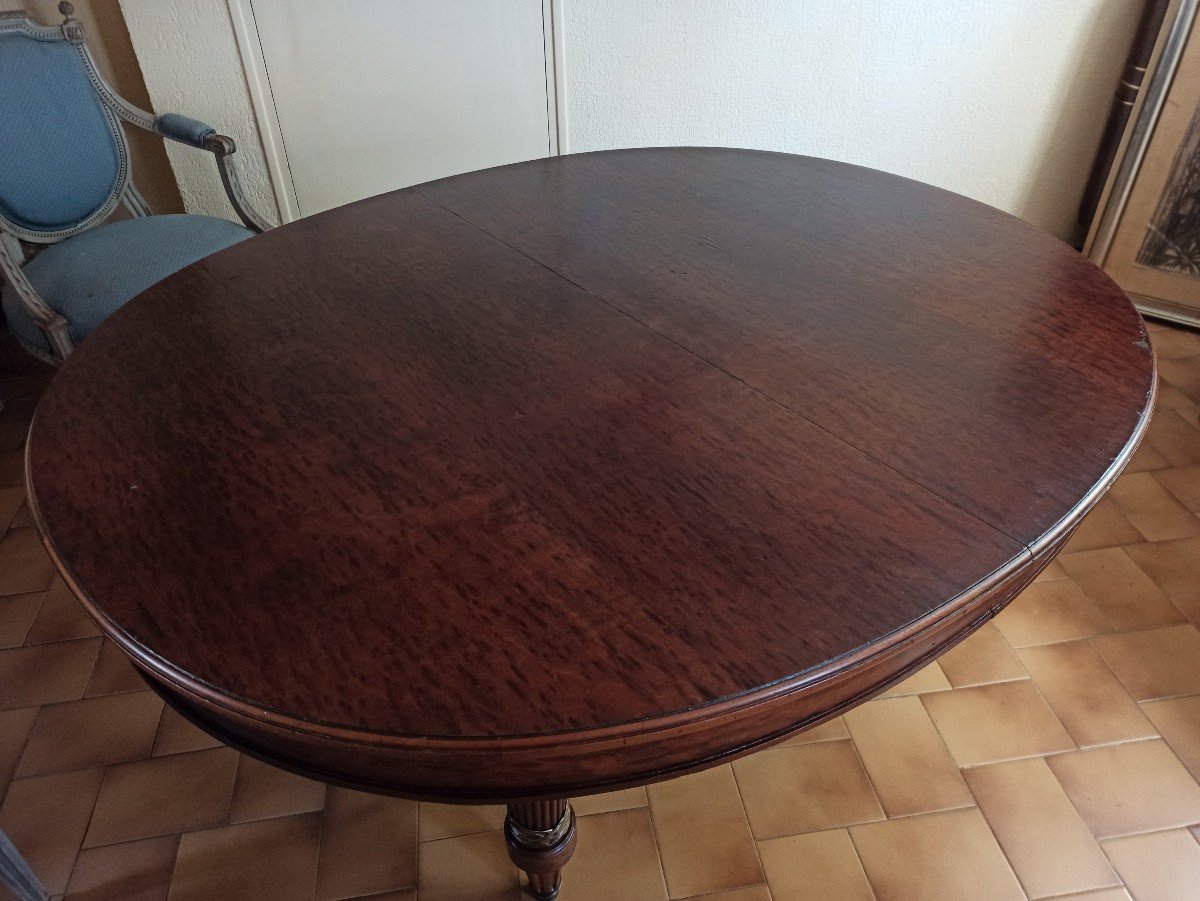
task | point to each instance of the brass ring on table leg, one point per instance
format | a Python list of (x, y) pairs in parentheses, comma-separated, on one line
[(540, 838), (542, 853)]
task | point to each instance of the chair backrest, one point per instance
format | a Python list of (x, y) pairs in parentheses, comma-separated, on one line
[(63, 156)]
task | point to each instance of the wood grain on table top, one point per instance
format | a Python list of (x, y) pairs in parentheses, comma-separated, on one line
[(580, 441)]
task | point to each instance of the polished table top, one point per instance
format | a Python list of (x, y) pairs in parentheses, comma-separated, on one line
[(579, 451)]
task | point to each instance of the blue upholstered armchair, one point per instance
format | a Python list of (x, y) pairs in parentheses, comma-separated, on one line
[(64, 168)]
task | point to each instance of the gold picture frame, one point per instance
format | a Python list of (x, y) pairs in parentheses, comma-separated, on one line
[(1146, 234)]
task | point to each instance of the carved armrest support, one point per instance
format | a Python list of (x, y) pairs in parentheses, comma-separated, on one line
[(195, 133), (222, 147)]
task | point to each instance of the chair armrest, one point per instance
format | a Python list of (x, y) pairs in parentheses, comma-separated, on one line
[(222, 147), (202, 136), (183, 129)]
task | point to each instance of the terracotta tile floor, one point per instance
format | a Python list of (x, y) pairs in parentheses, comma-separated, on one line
[(1055, 753)]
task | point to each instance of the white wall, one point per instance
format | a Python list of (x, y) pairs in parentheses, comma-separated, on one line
[(191, 65), (1002, 100)]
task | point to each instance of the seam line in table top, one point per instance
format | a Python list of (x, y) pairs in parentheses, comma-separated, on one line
[(589, 292)]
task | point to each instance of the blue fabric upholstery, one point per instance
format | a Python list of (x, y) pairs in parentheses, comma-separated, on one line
[(183, 128), (88, 277), (59, 159)]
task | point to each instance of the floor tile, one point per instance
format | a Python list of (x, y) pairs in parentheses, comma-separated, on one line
[(751, 893), (176, 735), (929, 678), (162, 795), (1162, 866), (1173, 565), (91, 732), (803, 788), (1189, 606), (17, 613), (1046, 612), (437, 821), (113, 673), (1175, 344), (47, 673), (1169, 398), (1039, 830), (1184, 484), (46, 817), (1123, 592), (610, 801), (23, 518), (268, 860), (816, 865), (11, 500), (1147, 459), (703, 836), (472, 866), (1103, 894), (615, 858), (12, 469), (1178, 721), (1172, 436), (368, 844), (1051, 571), (936, 855), (1157, 663), (1182, 374), (1121, 789), (133, 871), (1104, 526), (830, 730), (1154, 511), (24, 566), (982, 658), (15, 726), (905, 758), (1087, 698), (262, 791), (991, 723), (61, 617)]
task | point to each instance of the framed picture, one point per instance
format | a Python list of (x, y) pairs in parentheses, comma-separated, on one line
[(1146, 233)]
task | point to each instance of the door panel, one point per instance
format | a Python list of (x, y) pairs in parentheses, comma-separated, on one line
[(375, 96)]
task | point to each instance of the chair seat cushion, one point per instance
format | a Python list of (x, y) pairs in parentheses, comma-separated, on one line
[(88, 277)]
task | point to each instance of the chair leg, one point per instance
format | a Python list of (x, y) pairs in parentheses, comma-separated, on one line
[(58, 331), (16, 875)]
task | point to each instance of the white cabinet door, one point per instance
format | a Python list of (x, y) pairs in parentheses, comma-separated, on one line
[(374, 95)]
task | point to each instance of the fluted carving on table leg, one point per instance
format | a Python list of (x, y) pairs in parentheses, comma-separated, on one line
[(541, 839)]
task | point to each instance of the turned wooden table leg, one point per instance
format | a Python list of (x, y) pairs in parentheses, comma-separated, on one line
[(541, 839)]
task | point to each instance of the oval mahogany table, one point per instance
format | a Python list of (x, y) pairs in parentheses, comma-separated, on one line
[(581, 473)]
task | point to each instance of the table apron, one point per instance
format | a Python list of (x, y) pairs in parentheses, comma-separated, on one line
[(573, 764)]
